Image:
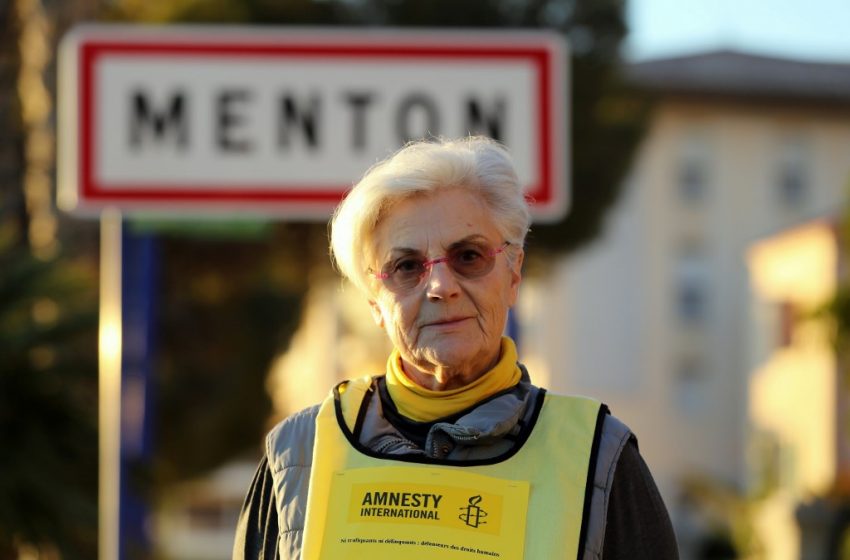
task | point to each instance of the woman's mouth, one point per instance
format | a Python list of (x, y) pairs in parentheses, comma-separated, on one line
[(448, 322)]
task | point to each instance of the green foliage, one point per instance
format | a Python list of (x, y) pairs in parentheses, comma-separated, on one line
[(727, 519), (607, 117), (48, 404), (836, 310), (226, 308)]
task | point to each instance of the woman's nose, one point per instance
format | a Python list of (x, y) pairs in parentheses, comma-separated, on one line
[(441, 282)]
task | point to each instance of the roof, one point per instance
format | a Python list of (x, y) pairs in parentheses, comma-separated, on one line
[(737, 74)]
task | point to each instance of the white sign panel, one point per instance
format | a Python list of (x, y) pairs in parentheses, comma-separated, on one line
[(283, 121)]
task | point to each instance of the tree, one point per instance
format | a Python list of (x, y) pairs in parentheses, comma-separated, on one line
[(48, 403), (212, 352), (222, 321), (607, 116), (48, 371)]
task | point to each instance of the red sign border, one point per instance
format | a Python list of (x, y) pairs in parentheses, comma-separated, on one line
[(144, 196)]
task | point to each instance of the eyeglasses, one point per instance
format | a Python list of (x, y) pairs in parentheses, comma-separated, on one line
[(467, 260)]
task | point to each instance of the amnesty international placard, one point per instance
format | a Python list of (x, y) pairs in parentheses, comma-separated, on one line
[(418, 512)]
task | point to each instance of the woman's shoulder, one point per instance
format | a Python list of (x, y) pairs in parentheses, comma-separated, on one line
[(290, 442), (625, 502), (613, 440)]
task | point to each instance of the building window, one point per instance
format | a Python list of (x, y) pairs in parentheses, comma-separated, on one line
[(792, 173), (691, 385), (692, 287), (789, 318), (693, 174)]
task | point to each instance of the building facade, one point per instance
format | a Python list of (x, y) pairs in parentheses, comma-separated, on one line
[(655, 317)]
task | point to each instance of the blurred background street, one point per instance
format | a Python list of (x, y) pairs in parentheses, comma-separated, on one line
[(698, 284)]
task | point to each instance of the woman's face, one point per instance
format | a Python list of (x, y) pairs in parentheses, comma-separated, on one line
[(448, 328)]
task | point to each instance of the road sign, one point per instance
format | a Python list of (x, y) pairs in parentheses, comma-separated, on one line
[(281, 121)]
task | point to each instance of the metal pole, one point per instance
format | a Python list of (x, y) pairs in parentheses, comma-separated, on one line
[(109, 390)]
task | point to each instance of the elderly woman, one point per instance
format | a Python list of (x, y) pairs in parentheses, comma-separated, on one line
[(452, 452)]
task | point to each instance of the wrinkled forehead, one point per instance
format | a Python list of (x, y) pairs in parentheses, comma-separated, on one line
[(430, 224)]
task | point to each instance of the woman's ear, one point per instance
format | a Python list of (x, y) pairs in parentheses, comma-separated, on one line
[(516, 275), (376, 313)]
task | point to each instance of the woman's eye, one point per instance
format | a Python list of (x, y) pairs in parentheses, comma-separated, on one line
[(407, 265), (469, 255)]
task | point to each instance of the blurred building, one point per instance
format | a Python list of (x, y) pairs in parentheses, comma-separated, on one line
[(797, 395), (656, 317), (667, 317), (196, 520)]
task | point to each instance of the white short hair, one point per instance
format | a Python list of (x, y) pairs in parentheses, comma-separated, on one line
[(476, 163)]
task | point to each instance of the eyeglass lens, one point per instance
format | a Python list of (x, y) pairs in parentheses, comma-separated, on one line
[(469, 260)]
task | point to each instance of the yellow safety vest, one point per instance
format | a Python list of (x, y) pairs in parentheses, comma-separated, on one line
[(528, 503)]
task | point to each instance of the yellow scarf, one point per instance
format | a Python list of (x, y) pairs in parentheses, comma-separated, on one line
[(423, 405)]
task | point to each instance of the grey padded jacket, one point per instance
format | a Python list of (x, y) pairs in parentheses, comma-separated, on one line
[(289, 451)]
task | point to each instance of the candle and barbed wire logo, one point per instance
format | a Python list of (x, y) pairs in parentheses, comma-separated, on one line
[(473, 515)]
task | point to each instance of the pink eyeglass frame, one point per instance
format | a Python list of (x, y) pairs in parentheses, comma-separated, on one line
[(427, 264)]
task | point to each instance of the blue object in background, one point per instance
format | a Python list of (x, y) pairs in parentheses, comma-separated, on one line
[(512, 328), (140, 267)]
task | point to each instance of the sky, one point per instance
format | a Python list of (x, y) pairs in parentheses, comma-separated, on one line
[(817, 30)]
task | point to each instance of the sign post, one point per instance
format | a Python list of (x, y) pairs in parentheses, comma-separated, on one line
[(109, 385)]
